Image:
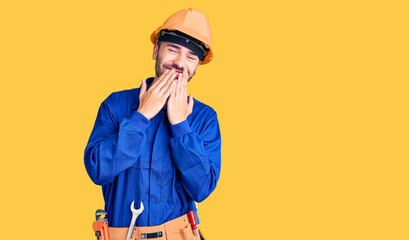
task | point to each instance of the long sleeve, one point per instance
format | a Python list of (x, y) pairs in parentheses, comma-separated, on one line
[(115, 144), (197, 156)]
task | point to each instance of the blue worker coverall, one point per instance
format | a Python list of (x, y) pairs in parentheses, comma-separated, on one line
[(167, 167)]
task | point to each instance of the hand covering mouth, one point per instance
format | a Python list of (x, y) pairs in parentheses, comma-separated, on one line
[(177, 73)]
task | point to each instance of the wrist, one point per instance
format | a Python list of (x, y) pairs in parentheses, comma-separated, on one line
[(140, 120), (144, 114), (176, 121), (180, 129)]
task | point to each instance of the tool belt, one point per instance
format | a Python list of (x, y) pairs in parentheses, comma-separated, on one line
[(176, 229)]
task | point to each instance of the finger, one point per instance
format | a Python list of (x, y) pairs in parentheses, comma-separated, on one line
[(190, 105), (184, 86), (185, 78), (159, 80), (179, 85), (171, 90), (169, 75), (167, 84), (155, 83), (143, 88)]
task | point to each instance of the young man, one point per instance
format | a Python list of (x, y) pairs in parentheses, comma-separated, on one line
[(154, 144)]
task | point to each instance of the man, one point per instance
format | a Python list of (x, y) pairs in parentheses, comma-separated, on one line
[(154, 144)]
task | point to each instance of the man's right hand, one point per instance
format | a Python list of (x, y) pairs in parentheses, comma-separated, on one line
[(153, 100)]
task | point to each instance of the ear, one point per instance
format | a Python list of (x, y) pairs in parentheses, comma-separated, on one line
[(155, 51)]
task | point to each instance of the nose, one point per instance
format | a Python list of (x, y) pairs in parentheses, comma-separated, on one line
[(179, 61)]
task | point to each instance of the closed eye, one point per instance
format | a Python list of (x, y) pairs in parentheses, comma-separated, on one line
[(192, 57)]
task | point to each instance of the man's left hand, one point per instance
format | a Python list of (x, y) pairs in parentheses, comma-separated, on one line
[(177, 107)]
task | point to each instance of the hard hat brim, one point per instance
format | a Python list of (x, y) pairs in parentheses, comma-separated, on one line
[(209, 54)]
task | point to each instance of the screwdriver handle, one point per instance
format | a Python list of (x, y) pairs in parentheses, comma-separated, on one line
[(192, 219)]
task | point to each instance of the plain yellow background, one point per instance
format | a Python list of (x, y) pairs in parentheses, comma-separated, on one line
[(312, 99)]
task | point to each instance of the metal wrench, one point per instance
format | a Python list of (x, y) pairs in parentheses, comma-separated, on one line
[(135, 214)]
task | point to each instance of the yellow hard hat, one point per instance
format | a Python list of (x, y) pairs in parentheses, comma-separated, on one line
[(192, 23)]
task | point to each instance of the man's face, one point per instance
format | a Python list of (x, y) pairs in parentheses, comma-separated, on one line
[(171, 55)]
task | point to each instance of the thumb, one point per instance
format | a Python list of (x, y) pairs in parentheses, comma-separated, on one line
[(143, 87)]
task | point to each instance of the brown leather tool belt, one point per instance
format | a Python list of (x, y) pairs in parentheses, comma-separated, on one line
[(176, 229)]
